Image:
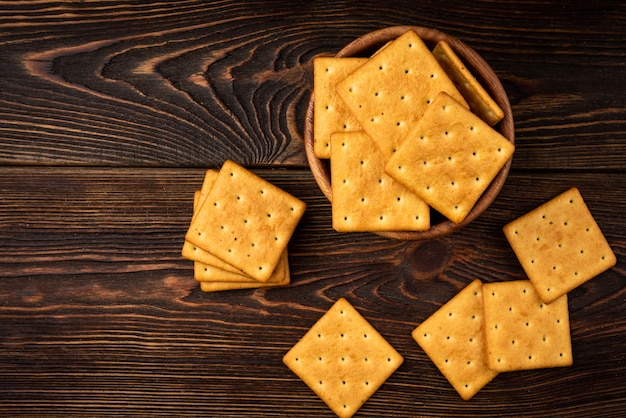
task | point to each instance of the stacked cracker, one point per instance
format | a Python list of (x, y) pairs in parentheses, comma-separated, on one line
[(239, 231), (402, 138), (522, 324)]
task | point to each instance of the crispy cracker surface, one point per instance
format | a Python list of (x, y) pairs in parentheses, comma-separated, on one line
[(453, 339), (365, 198), (391, 91), (560, 245), (523, 332), (449, 158), (343, 359), (330, 114), (245, 221)]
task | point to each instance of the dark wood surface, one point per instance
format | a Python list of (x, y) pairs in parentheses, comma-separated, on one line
[(111, 111)]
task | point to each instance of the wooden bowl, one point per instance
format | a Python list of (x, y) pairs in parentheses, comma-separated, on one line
[(364, 47)]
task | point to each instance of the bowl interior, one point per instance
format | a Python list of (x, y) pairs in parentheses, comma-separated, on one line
[(367, 45)]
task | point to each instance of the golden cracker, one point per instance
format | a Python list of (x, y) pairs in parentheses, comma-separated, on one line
[(391, 91), (246, 221), (449, 158), (453, 339), (364, 197), (211, 273), (521, 331), (559, 245), (343, 359), (330, 113), (479, 100), (224, 286)]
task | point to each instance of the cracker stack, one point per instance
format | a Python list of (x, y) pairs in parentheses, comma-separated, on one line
[(429, 126), (239, 231)]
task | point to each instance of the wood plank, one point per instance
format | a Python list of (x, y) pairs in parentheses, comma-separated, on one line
[(165, 84), (101, 315)]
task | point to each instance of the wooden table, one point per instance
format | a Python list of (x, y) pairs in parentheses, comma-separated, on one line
[(111, 111)]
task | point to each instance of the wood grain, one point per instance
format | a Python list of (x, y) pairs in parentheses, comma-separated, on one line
[(91, 273), (111, 110), (193, 83)]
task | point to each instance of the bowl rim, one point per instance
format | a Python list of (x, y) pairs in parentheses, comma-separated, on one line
[(367, 44)]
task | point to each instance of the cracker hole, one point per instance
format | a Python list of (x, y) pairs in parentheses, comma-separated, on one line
[(388, 359), (402, 97), (366, 359), (447, 361), (380, 67), (406, 71), (471, 340), (530, 357), (512, 342), (367, 383)]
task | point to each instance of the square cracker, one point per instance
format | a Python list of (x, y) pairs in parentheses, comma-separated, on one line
[(343, 359), (521, 331), (559, 245), (246, 221), (207, 267), (479, 100), (330, 114), (364, 197), (453, 339), (449, 158), (391, 91)]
